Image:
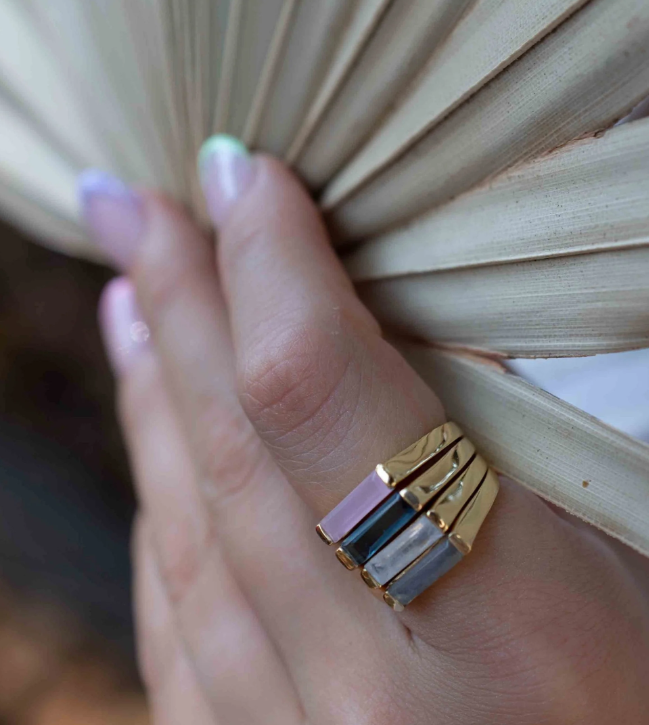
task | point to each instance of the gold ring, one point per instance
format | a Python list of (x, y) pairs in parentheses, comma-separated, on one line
[(415, 516)]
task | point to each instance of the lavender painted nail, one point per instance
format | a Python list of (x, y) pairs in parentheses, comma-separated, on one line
[(114, 214), (355, 507)]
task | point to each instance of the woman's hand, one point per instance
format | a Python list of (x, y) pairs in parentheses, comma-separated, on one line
[(265, 394)]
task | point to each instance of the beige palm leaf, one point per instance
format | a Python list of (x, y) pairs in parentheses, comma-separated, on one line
[(461, 153)]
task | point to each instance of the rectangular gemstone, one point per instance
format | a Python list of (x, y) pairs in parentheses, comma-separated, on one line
[(373, 533), (433, 565), (402, 551), (369, 493)]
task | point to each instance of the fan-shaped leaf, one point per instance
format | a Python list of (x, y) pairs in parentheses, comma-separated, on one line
[(562, 454), (409, 32), (581, 78), (493, 34), (580, 305), (589, 196)]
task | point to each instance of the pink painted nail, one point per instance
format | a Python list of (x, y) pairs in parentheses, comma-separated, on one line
[(126, 335), (226, 169), (113, 213)]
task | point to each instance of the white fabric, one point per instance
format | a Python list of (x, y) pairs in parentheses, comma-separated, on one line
[(613, 388)]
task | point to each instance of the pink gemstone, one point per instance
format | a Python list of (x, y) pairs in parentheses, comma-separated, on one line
[(355, 507)]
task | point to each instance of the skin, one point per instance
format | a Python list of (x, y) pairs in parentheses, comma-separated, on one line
[(267, 394)]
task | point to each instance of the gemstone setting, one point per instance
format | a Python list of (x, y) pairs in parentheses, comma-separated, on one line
[(402, 551), (354, 507), (424, 571), (381, 526)]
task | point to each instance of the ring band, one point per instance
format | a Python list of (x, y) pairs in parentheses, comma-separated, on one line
[(415, 516)]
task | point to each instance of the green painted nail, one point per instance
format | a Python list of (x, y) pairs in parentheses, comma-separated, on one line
[(217, 144), (226, 170)]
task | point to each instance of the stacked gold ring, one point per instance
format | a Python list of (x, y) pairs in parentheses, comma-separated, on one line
[(415, 516)]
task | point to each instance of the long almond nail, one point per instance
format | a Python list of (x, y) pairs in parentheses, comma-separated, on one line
[(114, 214), (226, 169), (125, 333)]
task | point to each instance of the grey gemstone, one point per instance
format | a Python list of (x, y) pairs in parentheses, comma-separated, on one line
[(433, 565), (402, 551)]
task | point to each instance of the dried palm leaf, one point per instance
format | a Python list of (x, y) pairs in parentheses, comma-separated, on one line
[(583, 77), (589, 196), (410, 31), (429, 125), (494, 34), (561, 453), (583, 305), (554, 253), (363, 21), (304, 60)]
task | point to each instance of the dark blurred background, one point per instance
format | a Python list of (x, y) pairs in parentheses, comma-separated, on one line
[(66, 501)]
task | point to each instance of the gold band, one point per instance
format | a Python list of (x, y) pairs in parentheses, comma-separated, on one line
[(468, 524), (344, 558), (415, 517), (424, 488), (410, 460), (453, 498), (323, 535)]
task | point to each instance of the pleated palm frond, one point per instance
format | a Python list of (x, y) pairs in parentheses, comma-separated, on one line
[(463, 153)]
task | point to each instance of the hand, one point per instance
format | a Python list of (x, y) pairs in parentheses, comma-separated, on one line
[(264, 395)]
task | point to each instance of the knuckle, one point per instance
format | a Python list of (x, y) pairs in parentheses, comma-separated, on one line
[(243, 239), (180, 536), (230, 456), (171, 259), (297, 383), (159, 281), (182, 551)]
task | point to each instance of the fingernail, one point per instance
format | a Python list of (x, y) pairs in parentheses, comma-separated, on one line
[(226, 169), (125, 333), (114, 214)]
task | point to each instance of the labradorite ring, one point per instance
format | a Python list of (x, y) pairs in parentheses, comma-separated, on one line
[(415, 516)]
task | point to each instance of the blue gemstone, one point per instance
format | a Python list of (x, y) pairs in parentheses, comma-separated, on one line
[(373, 533), (424, 572)]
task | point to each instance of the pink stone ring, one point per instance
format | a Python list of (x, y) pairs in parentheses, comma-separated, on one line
[(414, 517)]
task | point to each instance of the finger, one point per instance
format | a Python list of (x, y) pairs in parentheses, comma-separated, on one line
[(332, 398), (223, 636), (265, 531), (325, 391), (174, 693)]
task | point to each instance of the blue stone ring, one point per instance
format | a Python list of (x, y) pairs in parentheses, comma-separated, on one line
[(414, 517)]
